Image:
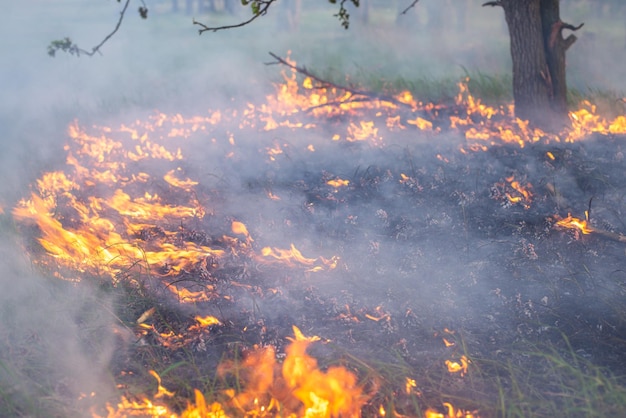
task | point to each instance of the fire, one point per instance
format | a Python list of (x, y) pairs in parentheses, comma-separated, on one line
[(451, 412), (186, 184), (480, 124), (448, 343), (523, 194), (207, 321), (365, 130), (421, 124), (410, 385), (512, 192), (105, 216), (239, 228), (331, 393), (161, 391), (295, 388), (293, 257), (337, 183), (575, 223), (458, 366)]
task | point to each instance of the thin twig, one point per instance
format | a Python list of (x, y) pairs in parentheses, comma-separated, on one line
[(412, 5), (66, 44), (110, 35), (261, 12)]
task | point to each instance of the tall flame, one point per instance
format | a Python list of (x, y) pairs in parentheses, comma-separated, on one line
[(297, 388)]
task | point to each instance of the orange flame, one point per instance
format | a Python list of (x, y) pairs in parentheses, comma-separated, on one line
[(458, 367), (451, 412), (336, 183), (240, 228), (575, 223), (207, 321), (298, 388), (293, 257)]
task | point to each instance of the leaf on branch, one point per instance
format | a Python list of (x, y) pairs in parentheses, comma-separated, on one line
[(143, 12), (342, 14), (65, 45)]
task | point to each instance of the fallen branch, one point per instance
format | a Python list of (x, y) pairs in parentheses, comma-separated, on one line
[(328, 84), (609, 235)]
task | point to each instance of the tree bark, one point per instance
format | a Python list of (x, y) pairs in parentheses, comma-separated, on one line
[(538, 56)]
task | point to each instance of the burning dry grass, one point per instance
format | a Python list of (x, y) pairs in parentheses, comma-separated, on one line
[(376, 225)]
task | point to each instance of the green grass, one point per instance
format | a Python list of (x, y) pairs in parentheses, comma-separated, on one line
[(546, 381)]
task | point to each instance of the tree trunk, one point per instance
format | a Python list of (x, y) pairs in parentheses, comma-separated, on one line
[(538, 55)]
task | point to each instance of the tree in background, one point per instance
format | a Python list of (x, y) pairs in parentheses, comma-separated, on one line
[(538, 48), (538, 54)]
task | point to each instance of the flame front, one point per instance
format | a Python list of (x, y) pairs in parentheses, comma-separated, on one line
[(297, 388)]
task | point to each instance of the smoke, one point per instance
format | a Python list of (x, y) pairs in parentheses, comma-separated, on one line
[(56, 341)]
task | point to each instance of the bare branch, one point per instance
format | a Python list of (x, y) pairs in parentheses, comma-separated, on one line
[(493, 3), (412, 5), (264, 6), (110, 35), (67, 45)]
